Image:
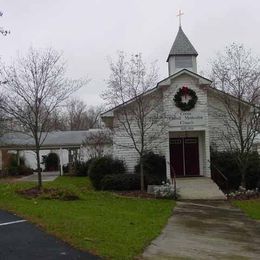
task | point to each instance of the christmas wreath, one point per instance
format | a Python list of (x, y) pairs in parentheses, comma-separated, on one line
[(185, 91)]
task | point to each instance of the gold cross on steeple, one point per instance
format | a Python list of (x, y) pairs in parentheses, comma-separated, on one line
[(179, 15)]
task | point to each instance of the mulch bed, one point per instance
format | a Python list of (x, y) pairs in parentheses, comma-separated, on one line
[(33, 192), (47, 193), (244, 196), (136, 194)]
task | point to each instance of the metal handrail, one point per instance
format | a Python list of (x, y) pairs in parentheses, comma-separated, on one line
[(222, 175)]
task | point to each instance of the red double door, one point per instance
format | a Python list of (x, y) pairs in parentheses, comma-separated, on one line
[(184, 156)]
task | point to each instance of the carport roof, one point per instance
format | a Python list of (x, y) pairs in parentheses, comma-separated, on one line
[(58, 139)]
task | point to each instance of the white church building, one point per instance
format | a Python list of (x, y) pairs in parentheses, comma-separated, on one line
[(190, 105)]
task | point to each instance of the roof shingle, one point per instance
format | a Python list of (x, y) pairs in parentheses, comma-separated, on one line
[(52, 139), (182, 45)]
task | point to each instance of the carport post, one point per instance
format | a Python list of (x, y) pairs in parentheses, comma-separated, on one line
[(61, 162), (18, 157)]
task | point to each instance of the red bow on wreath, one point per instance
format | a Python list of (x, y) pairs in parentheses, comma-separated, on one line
[(185, 91)]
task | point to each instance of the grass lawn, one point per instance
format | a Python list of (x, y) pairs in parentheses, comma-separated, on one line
[(100, 222), (250, 207)]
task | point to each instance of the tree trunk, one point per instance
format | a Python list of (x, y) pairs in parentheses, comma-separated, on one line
[(39, 168), (243, 169), (243, 177), (142, 173)]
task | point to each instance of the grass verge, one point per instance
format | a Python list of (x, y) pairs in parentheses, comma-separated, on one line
[(250, 207), (100, 222)]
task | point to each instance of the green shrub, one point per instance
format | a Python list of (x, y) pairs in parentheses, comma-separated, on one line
[(13, 160), (102, 166), (226, 163), (258, 184), (24, 170), (82, 167), (12, 170), (65, 168), (253, 171), (79, 168), (19, 170), (154, 168), (120, 182), (51, 162)]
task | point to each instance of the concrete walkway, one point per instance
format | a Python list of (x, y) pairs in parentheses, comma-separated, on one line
[(198, 188), (46, 176), (207, 230)]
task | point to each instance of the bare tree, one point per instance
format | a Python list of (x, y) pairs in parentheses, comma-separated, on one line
[(3, 118), (92, 117), (96, 142), (81, 117), (237, 72), (75, 110), (2, 30), (138, 110), (75, 115), (35, 86), (57, 121)]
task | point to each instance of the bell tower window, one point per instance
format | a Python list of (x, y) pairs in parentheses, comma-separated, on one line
[(183, 62)]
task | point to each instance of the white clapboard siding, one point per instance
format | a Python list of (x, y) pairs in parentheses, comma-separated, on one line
[(201, 107), (208, 130), (160, 145), (217, 117)]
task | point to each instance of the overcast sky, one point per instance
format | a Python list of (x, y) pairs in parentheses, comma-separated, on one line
[(90, 31)]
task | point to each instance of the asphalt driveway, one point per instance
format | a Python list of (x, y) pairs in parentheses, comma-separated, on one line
[(22, 240)]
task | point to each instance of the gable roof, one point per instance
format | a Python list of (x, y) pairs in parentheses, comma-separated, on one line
[(56, 139), (166, 81), (182, 46), (202, 80)]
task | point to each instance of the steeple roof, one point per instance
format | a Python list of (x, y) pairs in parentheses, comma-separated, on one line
[(182, 45)]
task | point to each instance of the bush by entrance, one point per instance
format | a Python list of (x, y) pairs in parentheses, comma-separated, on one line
[(51, 162), (154, 168), (226, 163)]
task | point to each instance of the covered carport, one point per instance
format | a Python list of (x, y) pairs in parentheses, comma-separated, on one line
[(59, 141)]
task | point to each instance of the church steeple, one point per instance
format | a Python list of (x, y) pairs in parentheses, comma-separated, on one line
[(182, 54)]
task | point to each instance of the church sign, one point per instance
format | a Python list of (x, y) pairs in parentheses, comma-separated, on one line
[(187, 119)]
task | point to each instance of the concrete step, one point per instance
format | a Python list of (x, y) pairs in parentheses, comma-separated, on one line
[(198, 188)]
